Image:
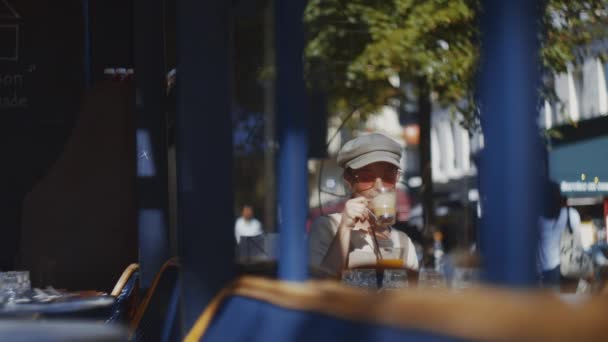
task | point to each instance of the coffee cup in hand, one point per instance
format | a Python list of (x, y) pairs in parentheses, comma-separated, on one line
[(383, 206)]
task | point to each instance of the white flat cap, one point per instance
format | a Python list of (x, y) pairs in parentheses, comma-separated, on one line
[(367, 149)]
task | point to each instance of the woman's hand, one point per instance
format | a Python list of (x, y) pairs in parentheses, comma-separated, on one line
[(355, 210)]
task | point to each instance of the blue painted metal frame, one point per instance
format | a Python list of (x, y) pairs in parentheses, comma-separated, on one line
[(169, 326), (206, 243), (511, 159), (152, 167), (293, 139)]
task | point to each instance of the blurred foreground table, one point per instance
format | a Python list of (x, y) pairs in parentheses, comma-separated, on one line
[(43, 331)]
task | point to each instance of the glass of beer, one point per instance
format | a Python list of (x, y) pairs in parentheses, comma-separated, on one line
[(383, 206), (391, 258)]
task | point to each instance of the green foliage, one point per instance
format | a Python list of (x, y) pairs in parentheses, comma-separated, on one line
[(356, 45), (569, 25)]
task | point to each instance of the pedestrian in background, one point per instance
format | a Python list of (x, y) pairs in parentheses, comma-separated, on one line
[(556, 217), (247, 225)]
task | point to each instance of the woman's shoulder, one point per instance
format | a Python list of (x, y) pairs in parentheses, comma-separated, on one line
[(326, 222), (403, 238), (402, 234), (328, 218)]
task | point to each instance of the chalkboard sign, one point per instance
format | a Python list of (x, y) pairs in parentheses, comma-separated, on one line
[(41, 92), (41, 63), (9, 48), (12, 95), (12, 78)]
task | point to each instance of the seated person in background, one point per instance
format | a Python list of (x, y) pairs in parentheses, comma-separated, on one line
[(353, 238), (247, 225)]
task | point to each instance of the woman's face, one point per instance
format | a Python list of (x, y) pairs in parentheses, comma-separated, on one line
[(367, 180)]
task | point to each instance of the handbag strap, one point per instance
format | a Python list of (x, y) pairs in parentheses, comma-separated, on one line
[(568, 225)]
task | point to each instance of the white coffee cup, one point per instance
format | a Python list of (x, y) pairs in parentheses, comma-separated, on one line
[(384, 206)]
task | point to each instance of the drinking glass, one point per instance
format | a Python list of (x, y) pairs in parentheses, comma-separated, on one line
[(392, 258), (383, 206), (428, 277), (362, 278), (14, 284), (464, 277), (394, 279)]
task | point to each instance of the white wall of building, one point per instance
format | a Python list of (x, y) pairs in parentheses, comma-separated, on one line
[(451, 147), (583, 93)]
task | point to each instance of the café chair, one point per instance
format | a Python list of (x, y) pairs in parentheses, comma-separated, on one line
[(126, 293), (156, 316), (323, 310)]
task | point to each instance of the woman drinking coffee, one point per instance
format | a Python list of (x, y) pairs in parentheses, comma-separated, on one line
[(361, 235)]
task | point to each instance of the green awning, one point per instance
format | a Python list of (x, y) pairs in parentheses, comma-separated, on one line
[(581, 167)]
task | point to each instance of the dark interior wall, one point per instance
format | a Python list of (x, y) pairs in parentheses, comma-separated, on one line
[(111, 35), (81, 189), (48, 86), (78, 225)]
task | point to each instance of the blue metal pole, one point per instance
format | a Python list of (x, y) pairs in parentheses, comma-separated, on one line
[(206, 241), (152, 168), (511, 158), (293, 144)]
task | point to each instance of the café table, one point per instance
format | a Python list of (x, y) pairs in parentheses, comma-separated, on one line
[(71, 305)]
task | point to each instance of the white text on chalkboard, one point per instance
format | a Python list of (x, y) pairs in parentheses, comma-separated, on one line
[(10, 91)]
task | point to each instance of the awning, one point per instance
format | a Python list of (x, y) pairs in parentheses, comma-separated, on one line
[(580, 166)]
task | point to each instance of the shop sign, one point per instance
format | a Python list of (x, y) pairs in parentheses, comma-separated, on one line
[(580, 186)]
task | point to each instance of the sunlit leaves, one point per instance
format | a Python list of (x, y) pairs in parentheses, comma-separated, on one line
[(355, 45)]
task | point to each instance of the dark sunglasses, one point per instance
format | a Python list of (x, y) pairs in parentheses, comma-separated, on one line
[(367, 178)]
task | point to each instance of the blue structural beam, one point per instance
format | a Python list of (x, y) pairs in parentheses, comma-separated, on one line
[(293, 144), (206, 241), (152, 168), (511, 159)]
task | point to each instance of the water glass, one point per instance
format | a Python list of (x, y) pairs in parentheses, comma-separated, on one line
[(394, 279), (362, 278), (428, 277), (464, 277), (14, 284)]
